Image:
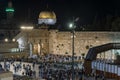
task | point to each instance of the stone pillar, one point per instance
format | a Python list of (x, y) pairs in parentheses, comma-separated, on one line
[(31, 49), (39, 49), (87, 67)]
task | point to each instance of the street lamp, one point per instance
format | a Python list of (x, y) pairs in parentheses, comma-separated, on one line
[(72, 26), (13, 40), (26, 27), (6, 39)]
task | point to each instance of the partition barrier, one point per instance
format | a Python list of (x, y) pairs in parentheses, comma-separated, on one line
[(111, 71)]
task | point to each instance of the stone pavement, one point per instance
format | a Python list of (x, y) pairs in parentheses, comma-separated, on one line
[(19, 72), (92, 78)]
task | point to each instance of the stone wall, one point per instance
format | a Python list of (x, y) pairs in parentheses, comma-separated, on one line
[(8, 46), (60, 42), (83, 41)]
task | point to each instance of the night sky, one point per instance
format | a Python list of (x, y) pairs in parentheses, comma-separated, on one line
[(65, 9)]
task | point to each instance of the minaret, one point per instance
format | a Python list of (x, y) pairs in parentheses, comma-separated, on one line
[(9, 11)]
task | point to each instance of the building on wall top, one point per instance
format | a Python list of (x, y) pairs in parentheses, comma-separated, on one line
[(9, 21), (47, 17), (9, 11)]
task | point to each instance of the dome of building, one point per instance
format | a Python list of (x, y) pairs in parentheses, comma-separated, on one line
[(47, 15)]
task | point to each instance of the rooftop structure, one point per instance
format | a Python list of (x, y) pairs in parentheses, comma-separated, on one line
[(47, 17)]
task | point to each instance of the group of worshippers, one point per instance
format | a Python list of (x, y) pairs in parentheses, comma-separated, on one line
[(53, 71), (19, 68), (58, 58), (51, 67)]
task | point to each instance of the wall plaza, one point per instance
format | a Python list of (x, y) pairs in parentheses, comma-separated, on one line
[(44, 41)]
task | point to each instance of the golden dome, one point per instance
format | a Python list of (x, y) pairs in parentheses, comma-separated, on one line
[(47, 15)]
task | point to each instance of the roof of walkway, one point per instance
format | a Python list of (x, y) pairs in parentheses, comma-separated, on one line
[(92, 53)]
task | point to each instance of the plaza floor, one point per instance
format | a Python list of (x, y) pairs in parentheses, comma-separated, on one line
[(92, 78), (19, 72)]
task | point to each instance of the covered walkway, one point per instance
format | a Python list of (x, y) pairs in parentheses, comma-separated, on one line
[(92, 56)]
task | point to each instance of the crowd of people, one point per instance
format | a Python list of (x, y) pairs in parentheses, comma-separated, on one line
[(55, 71), (48, 67), (58, 58), (18, 67)]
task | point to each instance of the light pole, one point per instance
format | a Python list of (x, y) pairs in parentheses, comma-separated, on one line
[(72, 27), (73, 36)]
